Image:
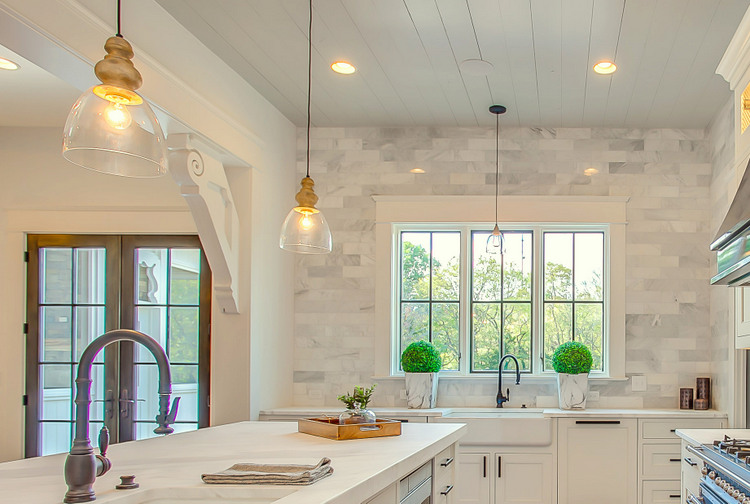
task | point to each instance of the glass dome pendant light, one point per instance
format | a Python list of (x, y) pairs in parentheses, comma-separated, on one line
[(111, 129), (495, 240), (305, 230)]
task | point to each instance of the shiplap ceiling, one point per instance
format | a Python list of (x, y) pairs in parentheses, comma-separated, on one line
[(408, 52)]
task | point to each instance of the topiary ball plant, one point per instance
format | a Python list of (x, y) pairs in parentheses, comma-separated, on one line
[(572, 357), (421, 357)]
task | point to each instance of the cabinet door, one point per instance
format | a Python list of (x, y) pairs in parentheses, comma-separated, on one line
[(523, 478), (472, 479), (742, 317), (597, 461)]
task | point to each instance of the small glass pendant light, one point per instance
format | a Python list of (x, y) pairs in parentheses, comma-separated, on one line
[(495, 240), (305, 230), (111, 129)]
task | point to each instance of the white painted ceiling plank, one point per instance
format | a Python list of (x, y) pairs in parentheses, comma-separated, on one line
[(490, 32), (575, 19), (605, 29), (629, 57), (665, 25), (548, 45), (518, 33)]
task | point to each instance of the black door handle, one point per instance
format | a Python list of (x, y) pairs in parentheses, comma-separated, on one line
[(447, 490)]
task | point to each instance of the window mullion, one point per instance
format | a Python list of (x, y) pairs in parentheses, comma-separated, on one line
[(537, 301), (464, 302)]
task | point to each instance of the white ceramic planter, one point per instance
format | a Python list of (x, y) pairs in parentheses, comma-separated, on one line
[(421, 390), (572, 390)]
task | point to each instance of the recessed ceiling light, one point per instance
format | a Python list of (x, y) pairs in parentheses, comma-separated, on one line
[(589, 172), (343, 67), (605, 68), (417, 170), (6, 64), (478, 67)]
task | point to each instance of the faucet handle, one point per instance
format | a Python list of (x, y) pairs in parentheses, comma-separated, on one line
[(103, 441), (173, 411)]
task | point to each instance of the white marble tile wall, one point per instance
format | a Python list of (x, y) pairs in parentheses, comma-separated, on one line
[(666, 174)]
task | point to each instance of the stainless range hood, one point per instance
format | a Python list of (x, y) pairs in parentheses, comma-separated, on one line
[(732, 242)]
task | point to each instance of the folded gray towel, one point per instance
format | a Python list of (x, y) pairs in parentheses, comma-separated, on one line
[(271, 474)]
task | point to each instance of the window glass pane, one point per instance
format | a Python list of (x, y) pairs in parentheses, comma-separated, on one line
[(94, 428), (89, 325), (589, 264), (486, 280), (55, 331), (185, 276), (517, 260), (57, 396), (558, 266), (445, 333), (185, 386), (56, 275), (151, 275), (183, 334), (147, 386), (589, 330), (96, 411), (56, 437), (415, 266), (558, 326), (446, 249), (151, 320), (485, 325), (90, 275), (517, 332), (415, 323)]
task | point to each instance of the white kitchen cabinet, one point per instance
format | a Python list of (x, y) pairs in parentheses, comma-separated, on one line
[(742, 317), (661, 492), (473, 478), (523, 478), (597, 461), (388, 496), (691, 472)]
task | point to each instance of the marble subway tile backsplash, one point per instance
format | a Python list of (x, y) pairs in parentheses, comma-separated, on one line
[(666, 173)]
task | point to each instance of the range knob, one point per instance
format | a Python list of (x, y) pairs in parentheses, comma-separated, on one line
[(718, 481), (704, 470), (712, 475), (735, 493)]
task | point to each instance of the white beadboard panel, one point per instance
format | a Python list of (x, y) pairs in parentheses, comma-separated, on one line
[(408, 53)]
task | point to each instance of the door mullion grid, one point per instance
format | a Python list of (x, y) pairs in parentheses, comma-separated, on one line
[(465, 260)]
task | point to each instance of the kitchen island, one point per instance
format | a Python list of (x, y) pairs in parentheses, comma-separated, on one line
[(169, 468)]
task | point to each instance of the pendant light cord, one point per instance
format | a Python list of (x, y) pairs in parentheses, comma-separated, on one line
[(497, 161), (118, 34), (309, 83)]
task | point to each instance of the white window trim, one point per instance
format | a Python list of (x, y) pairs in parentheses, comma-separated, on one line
[(572, 210)]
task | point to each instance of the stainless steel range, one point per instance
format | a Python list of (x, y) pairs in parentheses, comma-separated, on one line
[(726, 472)]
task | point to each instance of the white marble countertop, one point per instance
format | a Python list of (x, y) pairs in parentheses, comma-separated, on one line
[(169, 468), (706, 436), (400, 412)]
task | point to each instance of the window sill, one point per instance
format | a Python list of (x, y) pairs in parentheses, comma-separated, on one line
[(493, 378)]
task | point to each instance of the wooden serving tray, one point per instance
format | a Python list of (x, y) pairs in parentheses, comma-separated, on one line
[(331, 429)]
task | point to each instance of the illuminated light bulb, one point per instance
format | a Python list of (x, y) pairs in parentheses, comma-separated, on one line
[(306, 222), (605, 68), (495, 242), (343, 67), (117, 116)]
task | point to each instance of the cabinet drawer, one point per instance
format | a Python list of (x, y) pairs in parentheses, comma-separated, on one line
[(661, 492), (445, 493), (664, 429), (417, 477), (445, 463), (661, 461)]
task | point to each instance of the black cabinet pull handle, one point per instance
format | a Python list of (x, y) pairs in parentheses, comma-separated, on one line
[(672, 430), (674, 496), (447, 490), (674, 460), (447, 462), (597, 422), (690, 461), (484, 472), (499, 466)]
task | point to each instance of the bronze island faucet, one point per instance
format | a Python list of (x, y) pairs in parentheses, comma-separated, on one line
[(500, 397), (82, 467)]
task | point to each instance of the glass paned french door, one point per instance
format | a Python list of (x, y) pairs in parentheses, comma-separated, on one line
[(80, 286)]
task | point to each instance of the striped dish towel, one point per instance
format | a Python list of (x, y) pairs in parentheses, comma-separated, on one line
[(271, 474)]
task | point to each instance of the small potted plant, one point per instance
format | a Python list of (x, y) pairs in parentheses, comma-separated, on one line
[(421, 362), (572, 362), (356, 406)]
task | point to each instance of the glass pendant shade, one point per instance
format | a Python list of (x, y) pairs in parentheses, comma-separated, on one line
[(111, 134), (305, 231), (495, 242)]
